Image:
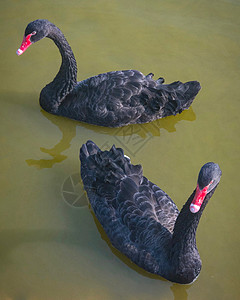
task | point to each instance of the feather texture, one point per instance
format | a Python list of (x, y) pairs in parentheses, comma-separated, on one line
[(112, 99), (126, 97), (139, 218)]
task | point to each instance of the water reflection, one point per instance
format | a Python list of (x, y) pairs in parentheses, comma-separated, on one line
[(180, 291), (131, 138), (68, 130)]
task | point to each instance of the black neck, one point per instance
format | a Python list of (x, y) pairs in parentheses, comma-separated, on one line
[(184, 250), (65, 79)]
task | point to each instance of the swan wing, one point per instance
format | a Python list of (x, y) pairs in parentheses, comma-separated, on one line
[(123, 97), (126, 204)]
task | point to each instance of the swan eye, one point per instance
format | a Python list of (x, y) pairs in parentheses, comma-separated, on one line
[(34, 32)]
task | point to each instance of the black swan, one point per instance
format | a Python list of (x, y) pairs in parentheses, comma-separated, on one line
[(140, 219), (111, 99)]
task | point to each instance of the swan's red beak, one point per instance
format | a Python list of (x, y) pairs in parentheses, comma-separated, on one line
[(198, 199), (25, 44)]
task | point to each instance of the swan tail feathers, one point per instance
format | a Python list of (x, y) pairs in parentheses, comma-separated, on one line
[(104, 170), (171, 99), (88, 149)]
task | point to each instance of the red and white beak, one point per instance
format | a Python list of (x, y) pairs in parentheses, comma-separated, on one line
[(25, 44), (198, 199)]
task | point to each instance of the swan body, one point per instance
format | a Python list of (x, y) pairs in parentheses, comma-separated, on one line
[(112, 99), (140, 219)]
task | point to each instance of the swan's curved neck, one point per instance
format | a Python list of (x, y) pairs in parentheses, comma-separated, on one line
[(184, 250), (185, 227), (52, 95)]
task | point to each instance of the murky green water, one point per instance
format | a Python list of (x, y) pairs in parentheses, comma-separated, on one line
[(51, 247)]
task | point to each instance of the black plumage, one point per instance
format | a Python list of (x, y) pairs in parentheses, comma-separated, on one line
[(139, 218), (112, 99)]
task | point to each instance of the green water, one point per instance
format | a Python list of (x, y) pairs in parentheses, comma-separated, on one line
[(51, 247)]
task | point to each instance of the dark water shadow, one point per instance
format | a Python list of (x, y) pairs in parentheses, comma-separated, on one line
[(131, 138)]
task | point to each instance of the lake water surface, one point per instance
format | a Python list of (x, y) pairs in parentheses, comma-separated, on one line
[(51, 246)]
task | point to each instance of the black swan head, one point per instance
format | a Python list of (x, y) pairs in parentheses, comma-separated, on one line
[(208, 178), (65, 80), (35, 31)]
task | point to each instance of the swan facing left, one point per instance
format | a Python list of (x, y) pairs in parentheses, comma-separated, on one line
[(140, 219), (112, 99)]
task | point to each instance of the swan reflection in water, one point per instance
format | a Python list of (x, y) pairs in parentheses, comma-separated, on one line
[(131, 138)]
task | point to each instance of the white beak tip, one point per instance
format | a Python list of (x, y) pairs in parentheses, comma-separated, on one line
[(19, 52), (194, 208)]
